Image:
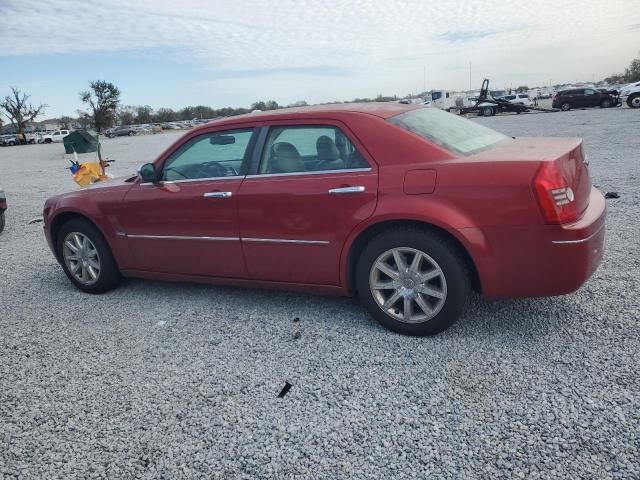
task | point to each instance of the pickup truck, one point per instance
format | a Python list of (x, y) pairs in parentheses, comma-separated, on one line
[(631, 95), (54, 137)]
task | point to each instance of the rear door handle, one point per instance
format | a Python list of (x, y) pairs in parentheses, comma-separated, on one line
[(217, 195), (337, 191)]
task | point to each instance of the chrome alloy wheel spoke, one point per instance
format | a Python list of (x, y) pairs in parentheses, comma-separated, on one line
[(408, 285), (81, 258)]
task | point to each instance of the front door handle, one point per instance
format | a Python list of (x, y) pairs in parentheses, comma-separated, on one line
[(217, 195), (337, 191)]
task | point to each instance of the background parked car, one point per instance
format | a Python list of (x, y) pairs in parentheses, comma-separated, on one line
[(630, 94), (8, 140), (55, 137), (521, 98), (122, 131), (582, 97)]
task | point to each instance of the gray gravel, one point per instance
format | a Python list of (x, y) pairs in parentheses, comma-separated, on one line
[(163, 380)]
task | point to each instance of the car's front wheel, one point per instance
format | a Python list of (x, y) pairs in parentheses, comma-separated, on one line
[(413, 281), (565, 107), (634, 101), (86, 257), (605, 103)]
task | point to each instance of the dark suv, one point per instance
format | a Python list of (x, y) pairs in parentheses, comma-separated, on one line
[(121, 132), (582, 97)]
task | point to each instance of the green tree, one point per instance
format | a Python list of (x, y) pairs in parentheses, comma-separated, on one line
[(102, 99), (143, 114), (19, 111), (126, 114), (632, 72), (259, 106), (165, 115), (522, 89)]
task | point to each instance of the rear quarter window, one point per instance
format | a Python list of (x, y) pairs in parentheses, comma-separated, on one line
[(456, 134)]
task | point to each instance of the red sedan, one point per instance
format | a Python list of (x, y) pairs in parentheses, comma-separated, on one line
[(410, 208)]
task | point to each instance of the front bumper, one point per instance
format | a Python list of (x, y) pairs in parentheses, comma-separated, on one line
[(543, 260)]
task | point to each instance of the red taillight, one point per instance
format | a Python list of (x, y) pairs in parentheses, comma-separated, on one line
[(555, 196)]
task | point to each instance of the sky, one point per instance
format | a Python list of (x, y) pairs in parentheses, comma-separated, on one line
[(174, 53)]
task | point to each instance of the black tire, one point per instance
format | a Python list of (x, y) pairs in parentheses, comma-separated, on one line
[(439, 248), (1, 222), (109, 276), (131, 133), (12, 143), (31, 142), (605, 103), (47, 140), (634, 100), (487, 111), (565, 107)]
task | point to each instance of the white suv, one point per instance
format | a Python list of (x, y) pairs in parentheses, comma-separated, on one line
[(631, 94), (521, 98)]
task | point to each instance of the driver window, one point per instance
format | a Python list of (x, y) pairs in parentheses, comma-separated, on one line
[(212, 155)]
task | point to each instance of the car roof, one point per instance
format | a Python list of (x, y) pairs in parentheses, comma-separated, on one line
[(382, 110)]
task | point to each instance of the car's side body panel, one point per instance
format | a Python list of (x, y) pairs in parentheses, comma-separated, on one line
[(288, 231)]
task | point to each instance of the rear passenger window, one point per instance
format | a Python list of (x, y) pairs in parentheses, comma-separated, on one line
[(299, 149)]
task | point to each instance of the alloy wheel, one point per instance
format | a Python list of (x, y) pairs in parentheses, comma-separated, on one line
[(635, 102), (81, 258), (408, 285)]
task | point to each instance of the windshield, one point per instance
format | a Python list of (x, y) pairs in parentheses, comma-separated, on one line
[(450, 131)]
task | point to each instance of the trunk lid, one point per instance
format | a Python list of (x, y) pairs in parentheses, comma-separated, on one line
[(562, 182)]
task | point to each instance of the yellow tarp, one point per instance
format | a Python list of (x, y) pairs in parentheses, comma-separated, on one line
[(88, 173)]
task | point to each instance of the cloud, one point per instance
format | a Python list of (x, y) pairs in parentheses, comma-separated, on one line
[(361, 46), (466, 36)]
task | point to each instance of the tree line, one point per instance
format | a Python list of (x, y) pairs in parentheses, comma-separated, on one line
[(103, 109)]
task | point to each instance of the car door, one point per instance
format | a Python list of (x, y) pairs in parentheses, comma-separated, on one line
[(310, 184), (576, 97), (187, 222), (591, 98)]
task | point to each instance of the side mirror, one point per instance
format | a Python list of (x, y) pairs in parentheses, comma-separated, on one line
[(147, 173)]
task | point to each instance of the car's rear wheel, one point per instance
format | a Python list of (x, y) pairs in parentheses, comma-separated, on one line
[(86, 257), (565, 107), (634, 101), (47, 140), (413, 281), (130, 133), (605, 103)]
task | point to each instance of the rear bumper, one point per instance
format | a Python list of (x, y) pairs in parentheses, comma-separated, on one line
[(543, 260)]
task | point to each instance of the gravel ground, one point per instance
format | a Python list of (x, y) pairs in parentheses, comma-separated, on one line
[(163, 380)]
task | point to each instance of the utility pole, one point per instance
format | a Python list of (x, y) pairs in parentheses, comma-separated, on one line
[(424, 78)]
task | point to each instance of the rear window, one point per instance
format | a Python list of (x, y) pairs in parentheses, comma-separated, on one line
[(449, 131)]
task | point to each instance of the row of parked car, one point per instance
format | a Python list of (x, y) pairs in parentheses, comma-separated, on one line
[(12, 139), (130, 130)]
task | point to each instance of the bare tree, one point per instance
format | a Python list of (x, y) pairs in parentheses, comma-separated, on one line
[(102, 99), (19, 111), (65, 122)]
